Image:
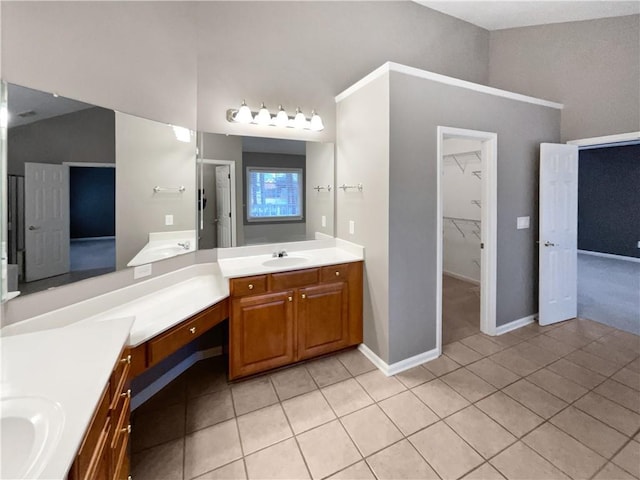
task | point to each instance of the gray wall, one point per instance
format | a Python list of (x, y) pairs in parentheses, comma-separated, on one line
[(83, 136), (320, 172), (592, 67), (148, 154), (415, 113)]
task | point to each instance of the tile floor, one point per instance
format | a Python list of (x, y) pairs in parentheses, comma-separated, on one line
[(536, 403), (460, 309)]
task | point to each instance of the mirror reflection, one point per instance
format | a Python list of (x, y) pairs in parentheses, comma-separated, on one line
[(80, 190), (254, 190)]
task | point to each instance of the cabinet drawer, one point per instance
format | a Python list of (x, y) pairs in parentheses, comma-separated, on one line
[(120, 440), (299, 278), (99, 464), (335, 273), (93, 437), (120, 374), (248, 285), (164, 345)]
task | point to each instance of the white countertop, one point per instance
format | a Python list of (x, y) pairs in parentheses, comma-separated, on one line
[(69, 366)]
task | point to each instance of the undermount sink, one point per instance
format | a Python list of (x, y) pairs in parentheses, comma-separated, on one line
[(30, 428), (285, 261), (165, 250)]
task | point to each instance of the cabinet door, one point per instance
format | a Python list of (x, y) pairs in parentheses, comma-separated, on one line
[(261, 333), (323, 319)]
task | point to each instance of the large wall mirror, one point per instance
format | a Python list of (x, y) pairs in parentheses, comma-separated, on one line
[(91, 191), (254, 190)]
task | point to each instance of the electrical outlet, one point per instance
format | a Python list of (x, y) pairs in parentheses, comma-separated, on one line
[(324, 220), (352, 227), (142, 271), (168, 219)]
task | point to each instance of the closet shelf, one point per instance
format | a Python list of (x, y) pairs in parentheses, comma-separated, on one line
[(462, 159), (476, 203), (456, 221)]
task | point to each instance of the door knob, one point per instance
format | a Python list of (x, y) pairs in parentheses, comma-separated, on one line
[(549, 244), (31, 227)]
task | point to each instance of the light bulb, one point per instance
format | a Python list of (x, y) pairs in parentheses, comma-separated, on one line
[(316, 122), (282, 119), (299, 121), (263, 117), (243, 115)]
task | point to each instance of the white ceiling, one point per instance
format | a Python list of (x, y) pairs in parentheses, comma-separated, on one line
[(496, 15), (44, 105)]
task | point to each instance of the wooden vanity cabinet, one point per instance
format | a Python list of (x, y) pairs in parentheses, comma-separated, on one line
[(296, 315)]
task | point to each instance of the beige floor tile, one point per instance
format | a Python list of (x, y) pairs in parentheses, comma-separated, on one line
[(619, 356), (527, 332), (346, 397), (481, 344), (210, 448), (619, 393), (157, 426), (461, 353), (445, 451), (534, 398), (355, 362), (506, 339), (281, 461), (441, 365), (232, 471), (491, 372), (379, 386), (262, 428), (629, 458), (612, 472), (591, 432), (415, 376), (327, 371), (564, 452), (521, 462), (408, 413), (164, 462), (635, 365), (512, 360), (622, 340), (207, 376), (252, 395), (551, 344), (479, 431), (509, 413), (470, 386), (557, 385), (614, 415), (357, 471), (307, 411), (580, 375), (400, 461), (292, 382), (209, 409), (327, 449), (536, 355), (371, 429), (629, 378), (569, 336), (592, 362), (440, 397), (589, 328), (484, 472)]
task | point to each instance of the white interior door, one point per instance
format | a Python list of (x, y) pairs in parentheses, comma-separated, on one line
[(223, 205), (46, 220), (558, 243)]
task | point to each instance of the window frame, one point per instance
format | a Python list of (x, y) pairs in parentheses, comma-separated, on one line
[(249, 220)]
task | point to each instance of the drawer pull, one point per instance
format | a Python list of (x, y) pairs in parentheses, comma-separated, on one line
[(291, 299), (304, 295), (337, 274), (126, 429), (250, 286), (126, 394), (126, 359), (192, 329)]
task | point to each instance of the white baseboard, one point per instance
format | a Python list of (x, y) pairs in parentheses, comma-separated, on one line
[(609, 255), (400, 366), (461, 277), (521, 322), (177, 370)]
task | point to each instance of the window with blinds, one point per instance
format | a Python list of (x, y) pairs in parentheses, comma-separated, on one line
[(274, 194)]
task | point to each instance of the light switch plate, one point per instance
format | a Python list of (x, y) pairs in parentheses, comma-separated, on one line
[(142, 271), (324, 220), (168, 219), (352, 227), (522, 223)]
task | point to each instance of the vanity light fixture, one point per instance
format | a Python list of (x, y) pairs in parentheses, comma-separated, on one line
[(281, 119)]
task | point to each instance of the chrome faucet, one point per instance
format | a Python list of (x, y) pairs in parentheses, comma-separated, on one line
[(280, 254), (186, 245)]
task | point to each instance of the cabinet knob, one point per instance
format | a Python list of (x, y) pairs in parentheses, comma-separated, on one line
[(126, 429), (304, 295), (251, 286), (126, 359), (192, 329), (291, 299), (337, 274), (126, 394)]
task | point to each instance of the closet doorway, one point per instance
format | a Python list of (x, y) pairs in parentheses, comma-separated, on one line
[(467, 241)]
